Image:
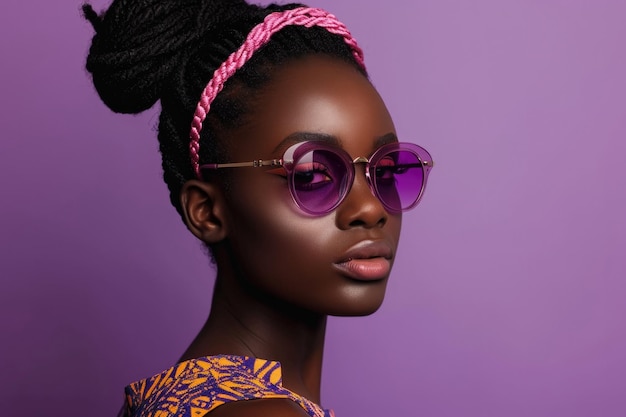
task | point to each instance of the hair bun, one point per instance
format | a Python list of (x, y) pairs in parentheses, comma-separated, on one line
[(139, 43)]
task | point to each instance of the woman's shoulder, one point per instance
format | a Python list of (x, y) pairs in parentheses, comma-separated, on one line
[(275, 407), (220, 385)]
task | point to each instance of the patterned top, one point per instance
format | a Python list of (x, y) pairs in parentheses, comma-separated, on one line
[(195, 387)]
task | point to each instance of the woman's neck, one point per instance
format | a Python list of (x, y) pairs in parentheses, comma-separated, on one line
[(243, 323)]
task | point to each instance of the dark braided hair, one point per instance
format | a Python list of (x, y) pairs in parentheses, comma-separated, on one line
[(149, 50)]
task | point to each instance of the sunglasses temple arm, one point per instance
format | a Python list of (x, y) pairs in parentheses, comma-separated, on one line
[(429, 164), (255, 164)]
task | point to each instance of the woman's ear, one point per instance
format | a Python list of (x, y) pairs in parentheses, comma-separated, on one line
[(204, 209)]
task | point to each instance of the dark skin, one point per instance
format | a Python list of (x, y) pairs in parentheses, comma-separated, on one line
[(277, 279)]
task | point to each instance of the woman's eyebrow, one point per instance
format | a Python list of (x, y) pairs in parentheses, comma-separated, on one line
[(385, 139), (298, 137)]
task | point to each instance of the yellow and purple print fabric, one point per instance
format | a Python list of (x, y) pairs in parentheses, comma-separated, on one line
[(195, 387)]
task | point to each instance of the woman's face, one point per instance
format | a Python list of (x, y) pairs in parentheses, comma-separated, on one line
[(334, 264)]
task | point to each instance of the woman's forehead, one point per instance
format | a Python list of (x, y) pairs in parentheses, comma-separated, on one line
[(318, 95)]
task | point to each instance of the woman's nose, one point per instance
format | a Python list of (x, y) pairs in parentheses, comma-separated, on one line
[(361, 208)]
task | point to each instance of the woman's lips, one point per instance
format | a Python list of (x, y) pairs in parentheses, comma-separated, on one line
[(366, 261), (370, 269)]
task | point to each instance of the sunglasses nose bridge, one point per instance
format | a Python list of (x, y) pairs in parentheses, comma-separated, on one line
[(361, 160)]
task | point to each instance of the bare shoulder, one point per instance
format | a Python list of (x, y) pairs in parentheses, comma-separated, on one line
[(275, 407)]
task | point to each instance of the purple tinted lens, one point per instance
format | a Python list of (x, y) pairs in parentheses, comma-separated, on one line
[(398, 178), (319, 180)]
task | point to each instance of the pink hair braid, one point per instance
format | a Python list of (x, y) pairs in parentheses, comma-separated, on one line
[(259, 36)]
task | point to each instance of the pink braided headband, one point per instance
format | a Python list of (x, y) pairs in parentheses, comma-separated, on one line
[(259, 36)]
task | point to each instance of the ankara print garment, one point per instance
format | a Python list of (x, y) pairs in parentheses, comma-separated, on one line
[(195, 387)]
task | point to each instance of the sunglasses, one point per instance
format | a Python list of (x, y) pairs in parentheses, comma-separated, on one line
[(320, 175)]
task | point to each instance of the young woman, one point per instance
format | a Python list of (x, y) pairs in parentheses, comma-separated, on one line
[(281, 157)]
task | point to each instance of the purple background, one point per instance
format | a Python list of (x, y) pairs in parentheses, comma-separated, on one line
[(508, 295)]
